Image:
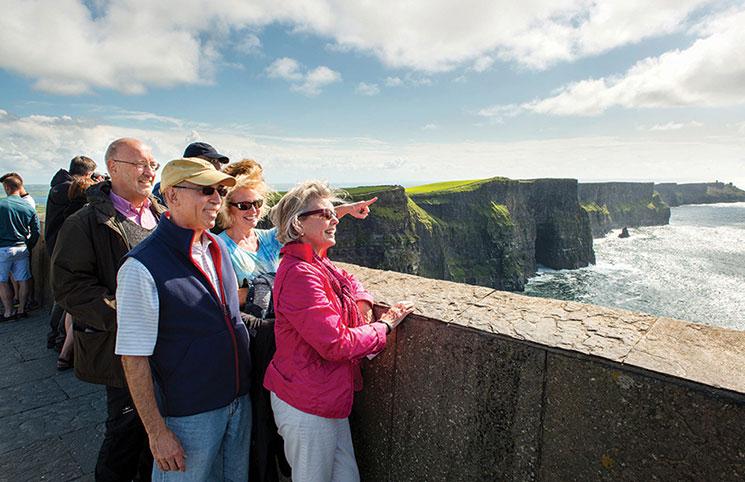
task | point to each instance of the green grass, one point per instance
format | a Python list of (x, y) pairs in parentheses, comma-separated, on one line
[(367, 190), (448, 186), (595, 208), (501, 213), (420, 214)]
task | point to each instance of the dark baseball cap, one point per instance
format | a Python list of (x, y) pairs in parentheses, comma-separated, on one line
[(197, 149)]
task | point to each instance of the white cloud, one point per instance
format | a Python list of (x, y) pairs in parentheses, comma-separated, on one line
[(315, 80), (36, 146), (309, 83), (367, 89), (671, 126), (131, 46), (393, 81), (483, 64), (249, 45), (430, 127), (284, 68), (709, 73)]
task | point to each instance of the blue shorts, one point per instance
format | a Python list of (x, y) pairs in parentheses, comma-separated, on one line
[(16, 260)]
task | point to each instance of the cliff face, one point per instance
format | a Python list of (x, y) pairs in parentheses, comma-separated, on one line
[(490, 232), (699, 193), (613, 205)]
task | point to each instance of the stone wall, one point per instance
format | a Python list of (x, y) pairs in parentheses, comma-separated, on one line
[(488, 385)]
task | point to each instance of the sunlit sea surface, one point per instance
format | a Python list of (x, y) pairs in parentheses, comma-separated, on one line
[(692, 269)]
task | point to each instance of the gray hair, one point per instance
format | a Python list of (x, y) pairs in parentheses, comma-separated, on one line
[(284, 215)]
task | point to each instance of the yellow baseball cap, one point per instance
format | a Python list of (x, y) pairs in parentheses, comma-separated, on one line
[(194, 170)]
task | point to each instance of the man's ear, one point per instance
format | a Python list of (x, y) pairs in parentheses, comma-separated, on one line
[(170, 196)]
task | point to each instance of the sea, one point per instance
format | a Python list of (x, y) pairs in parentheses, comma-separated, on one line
[(692, 269)]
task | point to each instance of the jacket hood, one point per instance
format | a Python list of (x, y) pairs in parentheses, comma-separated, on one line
[(60, 177)]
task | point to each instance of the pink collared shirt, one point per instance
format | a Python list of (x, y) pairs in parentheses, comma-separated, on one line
[(143, 216)]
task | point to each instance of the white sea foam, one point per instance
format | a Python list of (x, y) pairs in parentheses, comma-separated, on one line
[(692, 269)]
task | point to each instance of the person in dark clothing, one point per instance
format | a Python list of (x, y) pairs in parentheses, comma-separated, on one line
[(90, 248), (78, 199), (57, 202), (58, 199)]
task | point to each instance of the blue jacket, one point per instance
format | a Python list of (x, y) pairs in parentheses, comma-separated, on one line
[(201, 359)]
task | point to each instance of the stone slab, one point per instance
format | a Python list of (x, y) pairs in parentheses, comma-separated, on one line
[(436, 299), (27, 371), (28, 396), (466, 405), (51, 420), (693, 351), (602, 422), (699, 353), (47, 459), (9, 356), (74, 388), (84, 445)]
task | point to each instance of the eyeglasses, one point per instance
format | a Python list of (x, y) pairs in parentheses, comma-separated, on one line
[(246, 205), (141, 166), (325, 213), (207, 190)]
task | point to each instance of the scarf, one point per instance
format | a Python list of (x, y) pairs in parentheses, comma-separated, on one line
[(342, 286)]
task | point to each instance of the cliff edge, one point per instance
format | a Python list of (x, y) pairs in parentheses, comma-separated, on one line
[(699, 193), (490, 232), (614, 205)]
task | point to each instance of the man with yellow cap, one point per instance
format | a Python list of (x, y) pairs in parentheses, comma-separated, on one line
[(184, 347)]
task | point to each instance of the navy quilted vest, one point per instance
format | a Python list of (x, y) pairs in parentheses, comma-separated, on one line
[(201, 360)]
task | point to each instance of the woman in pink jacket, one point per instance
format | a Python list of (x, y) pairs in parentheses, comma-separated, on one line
[(323, 328)]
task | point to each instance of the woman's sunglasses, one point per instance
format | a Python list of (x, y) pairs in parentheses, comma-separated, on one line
[(208, 190), (246, 205), (327, 214)]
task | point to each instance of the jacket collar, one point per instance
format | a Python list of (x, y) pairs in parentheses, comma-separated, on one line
[(300, 250), (178, 238), (99, 198)]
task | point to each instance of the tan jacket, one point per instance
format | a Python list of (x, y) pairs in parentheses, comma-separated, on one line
[(89, 251)]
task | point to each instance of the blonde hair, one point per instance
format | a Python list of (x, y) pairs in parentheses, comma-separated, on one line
[(224, 218), (284, 215), (245, 167)]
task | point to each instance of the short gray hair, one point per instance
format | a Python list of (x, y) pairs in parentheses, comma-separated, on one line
[(284, 215)]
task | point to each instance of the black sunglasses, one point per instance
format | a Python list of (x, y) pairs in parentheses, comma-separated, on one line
[(208, 190), (246, 205), (325, 213)]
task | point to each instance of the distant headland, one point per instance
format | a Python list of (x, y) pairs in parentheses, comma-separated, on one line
[(494, 232)]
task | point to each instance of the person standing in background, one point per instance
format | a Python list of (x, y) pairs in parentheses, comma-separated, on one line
[(19, 232)]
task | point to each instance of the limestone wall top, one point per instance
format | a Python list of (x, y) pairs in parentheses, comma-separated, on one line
[(699, 353)]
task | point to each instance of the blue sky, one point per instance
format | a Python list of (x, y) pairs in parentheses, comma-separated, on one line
[(383, 92)]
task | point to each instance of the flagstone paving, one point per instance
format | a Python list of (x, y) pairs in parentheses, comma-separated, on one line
[(51, 423)]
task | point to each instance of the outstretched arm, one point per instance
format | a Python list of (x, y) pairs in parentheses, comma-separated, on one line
[(358, 210)]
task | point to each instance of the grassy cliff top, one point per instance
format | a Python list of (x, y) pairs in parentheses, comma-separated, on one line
[(447, 186), (366, 190)]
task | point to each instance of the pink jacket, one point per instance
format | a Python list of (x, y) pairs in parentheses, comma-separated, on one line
[(316, 366)]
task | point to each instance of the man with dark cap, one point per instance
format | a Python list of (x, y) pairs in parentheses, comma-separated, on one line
[(200, 150)]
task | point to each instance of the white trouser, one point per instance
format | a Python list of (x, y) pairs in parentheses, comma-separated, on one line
[(318, 449)]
